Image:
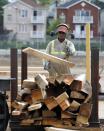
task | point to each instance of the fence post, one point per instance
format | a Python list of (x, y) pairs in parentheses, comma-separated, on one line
[(23, 66), (14, 73), (94, 119)]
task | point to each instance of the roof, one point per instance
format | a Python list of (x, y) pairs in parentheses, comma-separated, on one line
[(100, 4), (32, 3), (74, 2), (65, 5)]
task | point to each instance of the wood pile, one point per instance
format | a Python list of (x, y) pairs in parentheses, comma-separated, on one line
[(63, 102)]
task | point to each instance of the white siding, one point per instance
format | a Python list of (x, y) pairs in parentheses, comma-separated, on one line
[(18, 17)]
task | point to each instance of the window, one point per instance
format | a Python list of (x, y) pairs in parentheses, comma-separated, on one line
[(82, 12), (23, 13), (9, 17), (85, 13), (82, 28), (22, 28), (39, 12), (35, 13), (62, 17), (77, 12), (34, 27)]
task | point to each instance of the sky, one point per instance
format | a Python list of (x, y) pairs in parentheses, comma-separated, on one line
[(11, 0)]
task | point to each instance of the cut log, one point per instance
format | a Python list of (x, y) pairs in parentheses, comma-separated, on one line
[(85, 109), (48, 57), (57, 123), (57, 129), (27, 98), (49, 121), (20, 114), (87, 88), (37, 122), (41, 81), (38, 94), (16, 113), (29, 83), (76, 85), (77, 95), (74, 105), (81, 120), (35, 107), (19, 105), (48, 114), (67, 79), (24, 91), (67, 114), (62, 97), (78, 82), (54, 103), (27, 122), (50, 103), (64, 104)]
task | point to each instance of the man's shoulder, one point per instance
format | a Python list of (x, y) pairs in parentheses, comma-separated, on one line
[(68, 41), (52, 41)]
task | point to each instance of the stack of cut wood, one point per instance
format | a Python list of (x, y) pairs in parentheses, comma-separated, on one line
[(61, 102)]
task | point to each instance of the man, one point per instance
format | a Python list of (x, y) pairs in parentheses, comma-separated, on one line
[(62, 48)]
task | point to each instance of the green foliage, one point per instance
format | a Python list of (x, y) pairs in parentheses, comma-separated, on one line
[(2, 3), (52, 26), (45, 1)]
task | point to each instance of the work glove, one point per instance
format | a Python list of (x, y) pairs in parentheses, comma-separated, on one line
[(68, 51)]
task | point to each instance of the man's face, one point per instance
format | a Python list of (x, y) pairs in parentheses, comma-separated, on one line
[(61, 35)]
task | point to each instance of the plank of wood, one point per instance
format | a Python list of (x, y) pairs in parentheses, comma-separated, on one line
[(57, 129), (50, 103), (77, 95), (19, 105), (29, 83), (41, 81), (62, 97), (38, 94), (27, 122), (64, 105), (48, 114), (85, 109), (66, 114), (74, 105), (34, 107), (46, 56), (81, 120)]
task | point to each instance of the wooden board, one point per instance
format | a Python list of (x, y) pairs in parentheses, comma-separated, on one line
[(48, 57)]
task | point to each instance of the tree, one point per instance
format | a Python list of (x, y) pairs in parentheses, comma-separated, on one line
[(44, 2), (2, 3), (52, 27)]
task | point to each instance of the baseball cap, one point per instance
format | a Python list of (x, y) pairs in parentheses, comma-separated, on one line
[(62, 28)]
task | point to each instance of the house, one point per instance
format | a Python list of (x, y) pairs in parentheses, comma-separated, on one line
[(101, 5), (52, 12), (26, 19), (77, 13)]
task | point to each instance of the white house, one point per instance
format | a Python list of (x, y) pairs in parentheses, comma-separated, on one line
[(26, 19)]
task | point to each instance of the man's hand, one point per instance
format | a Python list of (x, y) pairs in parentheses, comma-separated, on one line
[(68, 51)]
